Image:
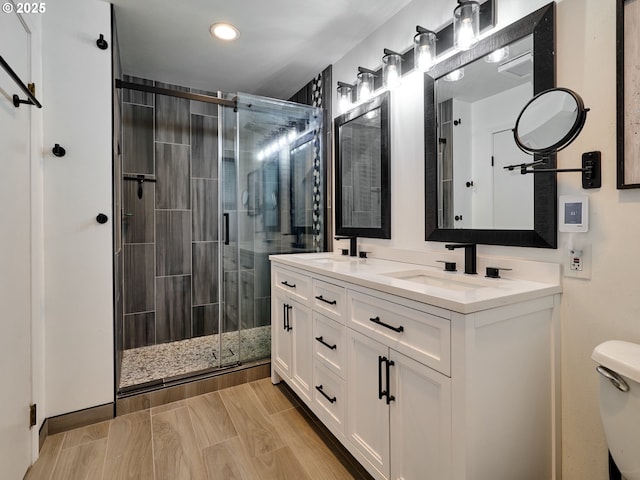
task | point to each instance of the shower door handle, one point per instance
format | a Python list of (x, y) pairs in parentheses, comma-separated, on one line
[(226, 228)]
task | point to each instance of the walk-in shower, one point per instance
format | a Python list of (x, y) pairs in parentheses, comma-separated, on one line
[(204, 194)]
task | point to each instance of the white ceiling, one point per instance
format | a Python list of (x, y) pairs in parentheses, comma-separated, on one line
[(283, 43)]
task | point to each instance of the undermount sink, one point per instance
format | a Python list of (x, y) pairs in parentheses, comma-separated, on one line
[(426, 277)]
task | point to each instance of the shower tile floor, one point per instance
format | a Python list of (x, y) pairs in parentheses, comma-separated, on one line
[(166, 360)]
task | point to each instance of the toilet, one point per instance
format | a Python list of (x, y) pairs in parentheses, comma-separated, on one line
[(619, 369)]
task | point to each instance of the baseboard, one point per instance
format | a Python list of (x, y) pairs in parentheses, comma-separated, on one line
[(80, 418)]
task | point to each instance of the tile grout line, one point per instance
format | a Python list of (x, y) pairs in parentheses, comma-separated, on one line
[(106, 450), (153, 449)]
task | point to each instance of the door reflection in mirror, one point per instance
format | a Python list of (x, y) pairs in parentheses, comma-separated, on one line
[(476, 116)]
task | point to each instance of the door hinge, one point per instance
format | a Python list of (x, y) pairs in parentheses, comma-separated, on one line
[(32, 415)]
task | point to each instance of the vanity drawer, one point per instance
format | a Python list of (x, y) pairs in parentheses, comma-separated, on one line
[(330, 299), (419, 335), (329, 398), (293, 283), (329, 343)]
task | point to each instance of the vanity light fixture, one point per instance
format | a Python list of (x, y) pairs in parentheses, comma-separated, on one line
[(345, 96), (365, 84), (454, 76), (224, 31), (391, 69), (424, 49), (497, 55), (466, 24)]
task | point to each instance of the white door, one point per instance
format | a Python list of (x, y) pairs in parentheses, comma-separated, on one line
[(512, 191), (367, 413), (15, 259), (281, 354), (302, 362), (420, 421)]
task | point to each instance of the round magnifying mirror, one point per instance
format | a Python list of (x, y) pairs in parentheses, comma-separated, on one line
[(550, 121)]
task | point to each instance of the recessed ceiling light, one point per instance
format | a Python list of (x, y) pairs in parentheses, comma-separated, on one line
[(224, 31)]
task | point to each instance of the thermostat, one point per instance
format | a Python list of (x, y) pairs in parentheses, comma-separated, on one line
[(573, 214)]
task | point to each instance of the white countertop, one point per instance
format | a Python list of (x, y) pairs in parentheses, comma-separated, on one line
[(458, 291)]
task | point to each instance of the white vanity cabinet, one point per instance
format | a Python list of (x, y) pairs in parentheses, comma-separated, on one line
[(291, 330), (417, 387)]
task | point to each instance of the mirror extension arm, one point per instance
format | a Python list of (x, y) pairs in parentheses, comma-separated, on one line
[(591, 169)]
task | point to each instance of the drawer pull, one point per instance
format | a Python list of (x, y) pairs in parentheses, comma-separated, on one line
[(322, 299), (332, 347), (331, 399), (287, 284), (390, 327)]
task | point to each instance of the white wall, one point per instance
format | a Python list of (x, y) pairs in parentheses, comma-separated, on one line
[(77, 250), (592, 311)]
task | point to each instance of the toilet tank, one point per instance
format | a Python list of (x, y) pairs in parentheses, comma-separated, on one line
[(620, 409)]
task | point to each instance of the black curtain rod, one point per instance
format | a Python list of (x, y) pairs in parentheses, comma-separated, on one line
[(175, 93), (32, 100)]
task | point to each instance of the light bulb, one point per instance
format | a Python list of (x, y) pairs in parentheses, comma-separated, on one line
[(497, 55), (454, 76), (424, 50), (466, 37), (391, 69), (466, 24)]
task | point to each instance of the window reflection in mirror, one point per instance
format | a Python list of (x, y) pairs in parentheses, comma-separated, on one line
[(476, 116), (362, 170)]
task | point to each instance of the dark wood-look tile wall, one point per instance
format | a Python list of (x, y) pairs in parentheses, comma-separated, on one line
[(137, 142), (205, 273), (173, 242), (139, 285), (172, 117), (203, 108), (172, 177), (138, 215), (204, 146), (139, 330), (173, 311), (205, 320), (134, 96), (205, 210)]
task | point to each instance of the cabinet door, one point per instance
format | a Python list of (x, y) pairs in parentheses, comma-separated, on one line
[(302, 346), (280, 334), (367, 413), (420, 421)]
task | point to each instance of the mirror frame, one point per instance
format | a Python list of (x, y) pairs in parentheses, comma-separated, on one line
[(540, 24), (381, 101)]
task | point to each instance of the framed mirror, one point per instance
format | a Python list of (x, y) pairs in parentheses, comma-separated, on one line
[(472, 102), (363, 186)]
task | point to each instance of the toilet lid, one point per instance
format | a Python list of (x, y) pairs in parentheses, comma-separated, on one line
[(621, 357)]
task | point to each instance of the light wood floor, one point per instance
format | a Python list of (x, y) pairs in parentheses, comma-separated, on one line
[(246, 432)]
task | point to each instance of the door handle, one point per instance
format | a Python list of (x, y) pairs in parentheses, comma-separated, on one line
[(226, 228), (289, 308), (390, 398), (381, 393)]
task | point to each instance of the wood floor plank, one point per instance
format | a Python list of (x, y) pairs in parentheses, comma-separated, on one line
[(42, 468), (83, 462), (168, 407), (129, 453), (175, 450), (87, 434), (271, 397), (319, 461), (280, 464), (226, 460), (256, 431), (211, 421)]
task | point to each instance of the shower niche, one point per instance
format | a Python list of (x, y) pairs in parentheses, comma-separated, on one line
[(205, 193)]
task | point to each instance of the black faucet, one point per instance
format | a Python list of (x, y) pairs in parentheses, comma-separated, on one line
[(469, 256), (353, 244)]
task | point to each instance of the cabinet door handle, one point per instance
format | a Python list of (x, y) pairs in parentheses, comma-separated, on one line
[(285, 311), (390, 327), (287, 284), (381, 393), (332, 347), (289, 327), (331, 399), (390, 398), (322, 299)]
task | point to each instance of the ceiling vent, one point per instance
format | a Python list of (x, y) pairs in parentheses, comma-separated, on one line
[(520, 66)]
